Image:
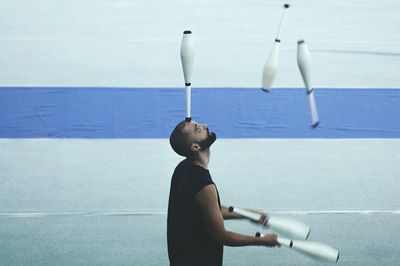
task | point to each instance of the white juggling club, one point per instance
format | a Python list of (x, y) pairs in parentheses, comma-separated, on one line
[(304, 62), (187, 60), (281, 225), (271, 65), (314, 250)]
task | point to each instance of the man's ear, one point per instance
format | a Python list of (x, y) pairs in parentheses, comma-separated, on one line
[(195, 147)]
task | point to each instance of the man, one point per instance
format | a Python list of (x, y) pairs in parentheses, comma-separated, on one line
[(196, 232)]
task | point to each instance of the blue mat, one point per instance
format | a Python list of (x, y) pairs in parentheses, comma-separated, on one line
[(230, 112)]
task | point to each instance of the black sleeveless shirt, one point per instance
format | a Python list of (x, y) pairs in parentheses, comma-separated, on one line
[(189, 241)]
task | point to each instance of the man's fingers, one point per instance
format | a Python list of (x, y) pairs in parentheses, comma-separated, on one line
[(272, 240)]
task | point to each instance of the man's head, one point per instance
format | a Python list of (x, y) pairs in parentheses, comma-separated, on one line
[(190, 138)]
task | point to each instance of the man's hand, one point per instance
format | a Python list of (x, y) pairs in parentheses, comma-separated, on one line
[(270, 240)]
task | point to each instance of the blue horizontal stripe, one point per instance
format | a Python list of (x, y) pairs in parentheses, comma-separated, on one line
[(230, 112)]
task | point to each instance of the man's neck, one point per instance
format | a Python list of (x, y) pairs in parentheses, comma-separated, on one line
[(202, 159)]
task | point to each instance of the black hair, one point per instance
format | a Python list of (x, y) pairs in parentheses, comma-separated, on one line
[(179, 140)]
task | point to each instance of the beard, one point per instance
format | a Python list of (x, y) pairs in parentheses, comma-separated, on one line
[(211, 138)]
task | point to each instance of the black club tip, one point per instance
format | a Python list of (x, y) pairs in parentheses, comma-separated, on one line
[(300, 41), (187, 32), (230, 209), (286, 5), (315, 125)]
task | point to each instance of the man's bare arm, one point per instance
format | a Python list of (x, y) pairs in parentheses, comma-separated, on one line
[(213, 218), (229, 215)]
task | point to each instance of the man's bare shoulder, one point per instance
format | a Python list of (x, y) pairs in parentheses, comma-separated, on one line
[(207, 196)]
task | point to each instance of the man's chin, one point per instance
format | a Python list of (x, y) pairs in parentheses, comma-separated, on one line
[(205, 144), (212, 138)]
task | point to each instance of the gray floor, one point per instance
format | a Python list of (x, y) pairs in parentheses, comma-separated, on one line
[(141, 240), (103, 202)]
